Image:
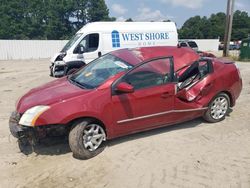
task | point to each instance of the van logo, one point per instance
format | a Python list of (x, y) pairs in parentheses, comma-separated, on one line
[(115, 39)]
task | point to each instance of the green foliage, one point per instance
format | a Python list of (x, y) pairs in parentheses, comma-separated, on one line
[(129, 20), (60, 19), (214, 27), (97, 11), (48, 19)]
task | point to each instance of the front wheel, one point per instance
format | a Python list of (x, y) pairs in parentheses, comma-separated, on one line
[(218, 108), (86, 139)]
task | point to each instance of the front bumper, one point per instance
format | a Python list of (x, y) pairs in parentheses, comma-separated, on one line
[(34, 134), (17, 130), (58, 69)]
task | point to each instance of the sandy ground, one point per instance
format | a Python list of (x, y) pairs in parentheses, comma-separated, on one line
[(192, 154)]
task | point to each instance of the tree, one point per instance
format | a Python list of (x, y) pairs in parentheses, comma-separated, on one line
[(129, 20), (214, 26), (57, 19), (97, 10), (193, 28), (241, 25), (48, 19), (13, 19), (218, 24), (167, 20)]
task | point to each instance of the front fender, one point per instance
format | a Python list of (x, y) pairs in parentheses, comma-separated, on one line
[(94, 104)]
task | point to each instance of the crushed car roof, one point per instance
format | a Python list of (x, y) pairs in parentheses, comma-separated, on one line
[(182, 56)]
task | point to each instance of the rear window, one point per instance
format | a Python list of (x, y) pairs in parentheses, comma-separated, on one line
[(183, 44), (192, 44)]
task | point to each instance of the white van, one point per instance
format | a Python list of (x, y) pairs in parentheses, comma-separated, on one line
[(98, 38)]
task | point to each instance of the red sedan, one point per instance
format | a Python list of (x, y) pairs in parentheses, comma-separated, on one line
[(127, 91)]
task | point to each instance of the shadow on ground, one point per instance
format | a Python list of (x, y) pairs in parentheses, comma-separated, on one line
[(59, 145)]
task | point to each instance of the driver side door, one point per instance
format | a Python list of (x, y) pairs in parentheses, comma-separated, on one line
[(151, 102), (89, 48)]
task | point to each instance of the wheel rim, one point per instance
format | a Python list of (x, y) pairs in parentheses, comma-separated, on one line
[(93, 136), (219, 108)]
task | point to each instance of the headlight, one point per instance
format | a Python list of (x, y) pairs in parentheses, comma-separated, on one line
[(30, 116)]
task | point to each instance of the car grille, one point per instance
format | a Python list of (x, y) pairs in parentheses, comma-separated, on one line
[(59, 68)]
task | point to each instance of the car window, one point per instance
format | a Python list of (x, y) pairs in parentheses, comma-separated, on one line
[(204, 68), (90, 42), (195, 72), (154, 73), (183, 44), (98, 71), (71, 42), (192, 44)]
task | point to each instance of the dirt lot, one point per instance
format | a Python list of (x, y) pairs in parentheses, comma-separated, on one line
[(192, 154)]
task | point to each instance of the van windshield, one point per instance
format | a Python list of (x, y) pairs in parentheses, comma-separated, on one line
[(71, 42), (192, 44), (98, 71)]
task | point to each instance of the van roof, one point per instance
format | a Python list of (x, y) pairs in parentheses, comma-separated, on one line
[(182, 56), (127, 26)]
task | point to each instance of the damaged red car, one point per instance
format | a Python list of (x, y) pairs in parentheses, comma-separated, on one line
[(125, 92)]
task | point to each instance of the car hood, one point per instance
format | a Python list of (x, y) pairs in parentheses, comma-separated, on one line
[(50, 93)]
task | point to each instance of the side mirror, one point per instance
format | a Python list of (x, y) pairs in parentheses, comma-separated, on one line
[(82, 50), (124, 87), (79, 50)]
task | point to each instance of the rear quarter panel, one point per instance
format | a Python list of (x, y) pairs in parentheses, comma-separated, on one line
[(231, 80), (225, 78)]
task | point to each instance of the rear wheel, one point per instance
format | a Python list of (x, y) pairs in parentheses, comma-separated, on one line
[(86, 139), (218, 108)]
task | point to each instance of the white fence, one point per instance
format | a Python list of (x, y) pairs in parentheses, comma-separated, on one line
[(207, 44), (29, 49), (37, 49)]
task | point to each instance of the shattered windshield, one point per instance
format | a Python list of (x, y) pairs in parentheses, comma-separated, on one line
[(71, 42), (98, 71)]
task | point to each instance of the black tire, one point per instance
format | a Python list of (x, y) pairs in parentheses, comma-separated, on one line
[(76, 140), (209, 116)]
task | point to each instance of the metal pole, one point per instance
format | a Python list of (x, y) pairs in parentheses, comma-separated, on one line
[(228, 29)]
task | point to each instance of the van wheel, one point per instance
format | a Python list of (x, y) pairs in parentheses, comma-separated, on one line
[(218, 108), (87, 139)]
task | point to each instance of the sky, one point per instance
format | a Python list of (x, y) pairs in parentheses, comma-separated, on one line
[(175, 10)]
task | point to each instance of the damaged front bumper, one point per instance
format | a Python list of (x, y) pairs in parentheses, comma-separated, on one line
[(58, 69), (34, 134), (17, 130)]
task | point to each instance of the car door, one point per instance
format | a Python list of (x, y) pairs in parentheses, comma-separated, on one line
[(152, 101), (195, 85), (88, 49)]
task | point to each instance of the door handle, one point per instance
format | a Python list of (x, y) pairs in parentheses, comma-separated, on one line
[(99, 54)]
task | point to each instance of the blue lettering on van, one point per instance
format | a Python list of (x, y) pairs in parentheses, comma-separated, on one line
[(138, 37), (132, 36), (144, 36), (156, 36), (115, 39)]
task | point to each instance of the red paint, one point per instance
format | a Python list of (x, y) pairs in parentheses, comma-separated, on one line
[(68, 102)]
